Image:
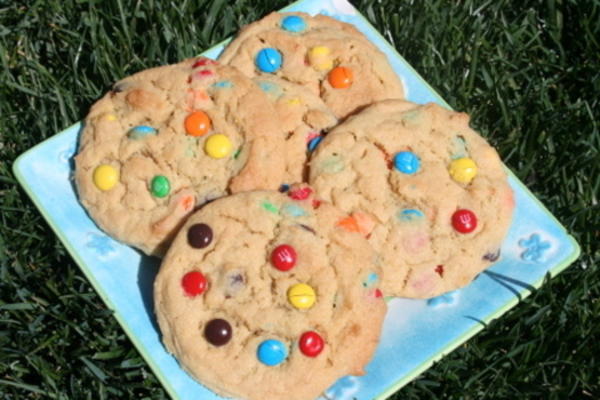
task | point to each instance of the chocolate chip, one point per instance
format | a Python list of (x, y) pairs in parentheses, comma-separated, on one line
[(492, 257)]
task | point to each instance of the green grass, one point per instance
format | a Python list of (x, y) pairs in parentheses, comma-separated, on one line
[(527, 71)]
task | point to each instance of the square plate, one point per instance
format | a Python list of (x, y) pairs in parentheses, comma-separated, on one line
[(416, 333)]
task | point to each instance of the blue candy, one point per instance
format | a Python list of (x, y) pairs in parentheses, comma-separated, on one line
[(314, 142), (410, 214), (293, 210), (371, 280), (141, 131), (271, 352), (270, 88), (223, 84), (268, 60), (293, 23), (407, 162)]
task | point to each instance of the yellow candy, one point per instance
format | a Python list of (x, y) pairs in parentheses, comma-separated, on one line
[(319, 58), (301, 296), (323, 66), (111, 117), (319, 51), (105, 177), (463, 170), (295, 101), (218, 146)]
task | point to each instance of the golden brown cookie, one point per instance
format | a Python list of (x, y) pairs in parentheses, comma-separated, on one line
[(331, 58), (166, 140), (303, 119), (429, 193), (261, 296)]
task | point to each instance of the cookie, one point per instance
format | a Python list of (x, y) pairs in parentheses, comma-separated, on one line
[(303, 117), (166, 140), (261, 296), (331, 58), (429, 193)]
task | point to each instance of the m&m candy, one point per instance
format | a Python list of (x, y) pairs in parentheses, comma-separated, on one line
[(283, 257), (160, 186), (301, 193), (293, 23), (199, 236), (197, 123), (463, 170), (319, 58), (202, 62), (141, 131), (271, 352), (194, 283), (301, 296), (407, 162), (410, 214), (311, 344), (268, 60), (218, 332), (464, 221), (314, 142), (218, 146), (340, 77), (105, 177)]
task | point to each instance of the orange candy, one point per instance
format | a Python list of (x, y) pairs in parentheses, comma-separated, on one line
[(187, 203), (340, 77), (357, 222), (365, 223), (348, 224), (197, 123)]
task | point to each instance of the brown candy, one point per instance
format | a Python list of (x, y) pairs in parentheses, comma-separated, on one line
[(217, 332), (199, 236)]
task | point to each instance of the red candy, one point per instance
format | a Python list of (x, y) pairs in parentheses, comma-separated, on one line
[(202, 73), (464, 221), (203, 61), (194, 283), (300, 194), (378, 294), (440, 270), (283, 257), (311, 344)]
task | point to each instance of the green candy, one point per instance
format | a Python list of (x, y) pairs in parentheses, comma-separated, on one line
[(333, 164), (270, 207), (160, 186)]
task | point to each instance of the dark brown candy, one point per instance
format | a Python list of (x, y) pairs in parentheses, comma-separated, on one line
[(308, 228), (199, 236), (217, 332), (492, 257)]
